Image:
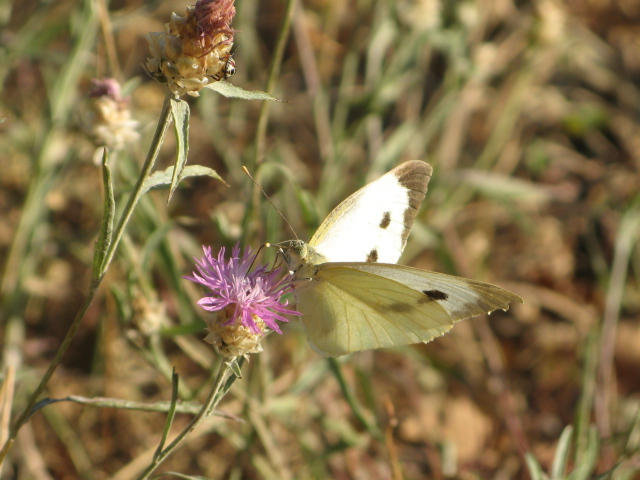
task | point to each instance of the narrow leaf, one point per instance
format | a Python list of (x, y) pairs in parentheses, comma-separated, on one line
[(504, 188), (180, 114), (190, 408), (235, 368), (108, 213), (535, 471), (562, 454), (182, 475), (584, 470), (232, 91), (162, 178), (170, 414)]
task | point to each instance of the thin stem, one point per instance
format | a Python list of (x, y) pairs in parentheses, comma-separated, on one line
[(154, 149), (274, 70), (263, 118), (212, 401), (356, 408), (158, 137)]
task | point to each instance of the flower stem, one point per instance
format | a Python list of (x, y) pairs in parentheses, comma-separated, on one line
[(212, 401), (154, 149), (163, 123)]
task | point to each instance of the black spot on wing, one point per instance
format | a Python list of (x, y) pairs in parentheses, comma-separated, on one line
[(386, 220), (435, 294), (373, 256)]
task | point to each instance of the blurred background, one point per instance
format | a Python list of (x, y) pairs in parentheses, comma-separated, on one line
[(529, 112)]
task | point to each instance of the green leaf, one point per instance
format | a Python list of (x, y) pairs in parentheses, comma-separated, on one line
[(182, 475), (180, 114), (584, 470), (535, 470), (232, 91), (162, 178), (170, 414), (504, 188), (235, 368), (108, 213), (562, 454)]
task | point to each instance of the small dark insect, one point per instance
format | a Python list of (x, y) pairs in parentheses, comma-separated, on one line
[(227, 71), (229, 68)]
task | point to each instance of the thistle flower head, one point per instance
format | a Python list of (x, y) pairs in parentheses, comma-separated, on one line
[(107, 118), (196, 49), (247, 303)]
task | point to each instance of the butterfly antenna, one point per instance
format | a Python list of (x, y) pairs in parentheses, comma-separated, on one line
[(256, 255), (272, 204)]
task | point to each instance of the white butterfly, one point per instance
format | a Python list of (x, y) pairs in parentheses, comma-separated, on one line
[(354, 297)]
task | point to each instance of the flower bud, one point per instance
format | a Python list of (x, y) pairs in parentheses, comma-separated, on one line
[(196, 49)]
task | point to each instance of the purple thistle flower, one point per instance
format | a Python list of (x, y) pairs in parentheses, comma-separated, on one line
[(250, 299)]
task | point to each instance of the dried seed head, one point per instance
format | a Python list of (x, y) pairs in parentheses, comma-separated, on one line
[(107, 119), (233, 339), (148, 315), (196, 49)]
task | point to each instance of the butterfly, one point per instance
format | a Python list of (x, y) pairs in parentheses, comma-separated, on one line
[(351, 293)]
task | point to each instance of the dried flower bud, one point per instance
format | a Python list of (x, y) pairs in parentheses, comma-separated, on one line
[(107, 119), (233, 338), (148, 315), (196, 49)]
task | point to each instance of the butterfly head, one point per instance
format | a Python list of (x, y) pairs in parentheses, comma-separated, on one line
[(294, 252), (297, 253)]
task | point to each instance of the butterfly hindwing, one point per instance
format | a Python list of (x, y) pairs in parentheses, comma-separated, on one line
[(460, 297), (348, 309), (373, 224)]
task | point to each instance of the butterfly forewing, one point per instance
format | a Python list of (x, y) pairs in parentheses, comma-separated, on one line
[(373, 224)]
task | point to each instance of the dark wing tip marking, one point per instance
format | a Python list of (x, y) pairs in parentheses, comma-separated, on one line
[(435, 294), (386, 220), (373, 256), (414, 176)]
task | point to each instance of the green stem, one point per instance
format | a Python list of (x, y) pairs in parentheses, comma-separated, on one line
[(356, 408), (158, 137), (154, 149), (274, 70), (212, 401)]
